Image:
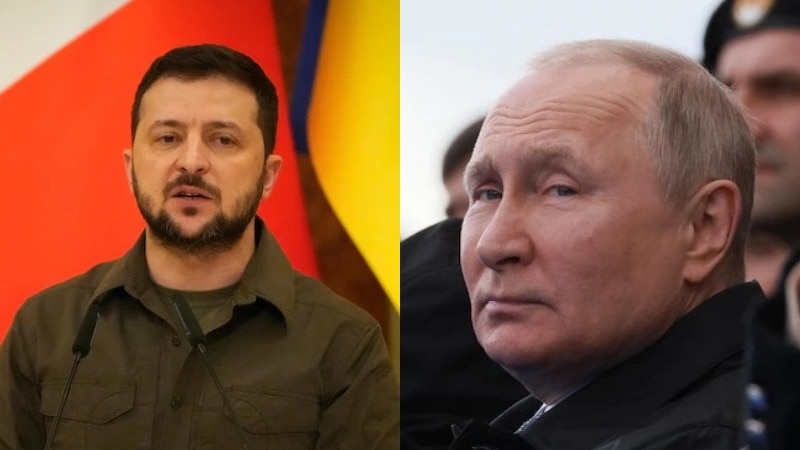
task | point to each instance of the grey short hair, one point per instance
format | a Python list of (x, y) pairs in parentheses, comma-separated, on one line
[(696, 131)]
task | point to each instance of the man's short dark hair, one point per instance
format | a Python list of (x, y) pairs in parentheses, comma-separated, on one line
[(196, 62), (460, 149)]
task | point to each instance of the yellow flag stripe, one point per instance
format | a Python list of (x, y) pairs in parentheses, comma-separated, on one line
[(354, 129)]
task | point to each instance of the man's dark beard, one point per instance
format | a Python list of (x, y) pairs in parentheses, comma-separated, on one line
[(220, 234)]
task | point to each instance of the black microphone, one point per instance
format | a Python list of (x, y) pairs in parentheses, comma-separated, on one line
[(80, 348), (197, 339)]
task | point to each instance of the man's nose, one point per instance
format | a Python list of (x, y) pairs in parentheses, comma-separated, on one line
[(193, 156), (754, 113), (505, 241)]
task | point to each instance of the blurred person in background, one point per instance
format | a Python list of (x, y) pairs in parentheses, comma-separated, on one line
[(453, 164), (754, 47)]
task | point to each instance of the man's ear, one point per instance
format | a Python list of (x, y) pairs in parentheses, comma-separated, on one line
[(127, 155), (272, 166), (712, 221)]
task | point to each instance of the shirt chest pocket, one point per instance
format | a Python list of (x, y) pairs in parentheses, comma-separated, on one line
[(95, 415), (273, 419)]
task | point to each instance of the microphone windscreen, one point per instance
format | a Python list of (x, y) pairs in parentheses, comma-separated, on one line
[(83, 340)]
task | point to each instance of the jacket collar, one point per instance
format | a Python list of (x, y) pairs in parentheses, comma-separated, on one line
[(268, 276)]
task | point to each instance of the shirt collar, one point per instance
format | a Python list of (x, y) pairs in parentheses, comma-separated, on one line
[(268, 276)]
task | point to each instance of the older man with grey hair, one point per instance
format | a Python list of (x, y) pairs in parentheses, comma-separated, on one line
[(610, 195)]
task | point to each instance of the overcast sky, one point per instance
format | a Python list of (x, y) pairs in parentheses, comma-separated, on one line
[(458, 56)]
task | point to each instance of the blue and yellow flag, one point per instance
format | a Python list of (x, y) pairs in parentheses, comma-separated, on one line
[(346, 114)]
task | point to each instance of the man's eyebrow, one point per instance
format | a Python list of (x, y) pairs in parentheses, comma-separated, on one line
[(167, 123), (478, 169), (533, 160), (222, 125), (782, 78), (768, 80), (213, 125)]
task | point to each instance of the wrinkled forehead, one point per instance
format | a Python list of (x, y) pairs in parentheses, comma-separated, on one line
[(585, 102), (609, 92)]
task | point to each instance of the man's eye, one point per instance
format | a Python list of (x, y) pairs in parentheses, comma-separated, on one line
[(167, 139), (561, 191), (488, 194), (223, 140)]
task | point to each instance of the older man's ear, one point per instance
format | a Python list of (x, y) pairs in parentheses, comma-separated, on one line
[(713, 215)]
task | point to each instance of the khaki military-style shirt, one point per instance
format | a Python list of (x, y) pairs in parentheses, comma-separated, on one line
[(303, 368)]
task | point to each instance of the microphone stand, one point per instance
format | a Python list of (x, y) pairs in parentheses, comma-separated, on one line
[(197, 339), (80, 348)]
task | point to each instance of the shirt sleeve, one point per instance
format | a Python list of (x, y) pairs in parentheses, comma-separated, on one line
[(21, 425), (365, 411)]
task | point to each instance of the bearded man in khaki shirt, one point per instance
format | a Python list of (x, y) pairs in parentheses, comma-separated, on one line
[(302, 368)]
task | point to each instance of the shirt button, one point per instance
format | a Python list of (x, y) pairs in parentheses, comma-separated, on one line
[(176, 402), (176, 341)]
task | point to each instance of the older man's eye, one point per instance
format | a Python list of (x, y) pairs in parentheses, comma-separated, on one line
[(488, 194), (561, 191)]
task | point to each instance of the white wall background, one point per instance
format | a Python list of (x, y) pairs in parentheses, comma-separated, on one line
[(457, 56)]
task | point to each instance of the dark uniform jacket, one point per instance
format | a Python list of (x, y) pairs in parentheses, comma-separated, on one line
[(304, 368), (683, 392), (776, 372)]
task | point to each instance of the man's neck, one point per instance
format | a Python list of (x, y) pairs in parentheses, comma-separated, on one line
[(552, 387), (179, 270)]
